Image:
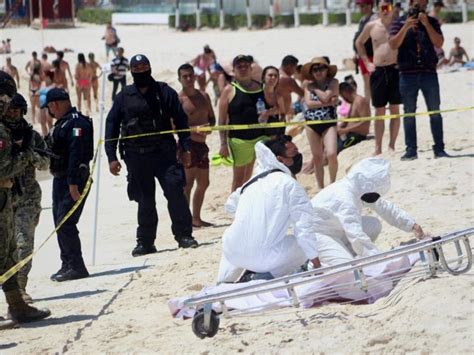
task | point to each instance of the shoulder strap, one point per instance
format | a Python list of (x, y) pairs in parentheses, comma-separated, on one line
[(258, 177)]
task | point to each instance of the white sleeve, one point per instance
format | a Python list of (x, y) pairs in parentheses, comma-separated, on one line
[(232, 202), (351, 222), (393, 215), (302, 219)]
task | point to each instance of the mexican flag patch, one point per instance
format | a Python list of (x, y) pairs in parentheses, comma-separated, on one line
[(77, 132)]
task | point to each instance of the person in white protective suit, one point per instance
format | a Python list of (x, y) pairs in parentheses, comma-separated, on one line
[(343, 232), (265, 207)]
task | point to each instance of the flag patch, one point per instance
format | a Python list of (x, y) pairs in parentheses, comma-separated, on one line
[(3, 144), (77, 132)]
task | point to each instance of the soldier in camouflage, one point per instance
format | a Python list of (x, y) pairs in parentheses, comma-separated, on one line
[(26, 190), (12, 162)]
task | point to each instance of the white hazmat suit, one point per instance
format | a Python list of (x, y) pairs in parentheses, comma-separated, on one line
[(257, 240), (338, 213)]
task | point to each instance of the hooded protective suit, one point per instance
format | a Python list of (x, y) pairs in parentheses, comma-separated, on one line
[(338, 212), (257, 240)]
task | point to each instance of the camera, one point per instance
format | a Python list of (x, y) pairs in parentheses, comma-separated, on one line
[(414, 11)]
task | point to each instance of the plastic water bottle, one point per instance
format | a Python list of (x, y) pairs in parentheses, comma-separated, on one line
[(260, 109)]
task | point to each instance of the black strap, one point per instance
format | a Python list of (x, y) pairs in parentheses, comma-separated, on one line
[(258, 177)]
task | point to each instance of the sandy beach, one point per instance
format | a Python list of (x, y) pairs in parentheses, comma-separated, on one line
[(122, 307)]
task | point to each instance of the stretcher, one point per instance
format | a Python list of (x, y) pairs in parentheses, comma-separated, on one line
[(431, 254)]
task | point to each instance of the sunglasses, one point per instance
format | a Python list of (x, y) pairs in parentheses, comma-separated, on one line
[(318, 68), (386, 8)]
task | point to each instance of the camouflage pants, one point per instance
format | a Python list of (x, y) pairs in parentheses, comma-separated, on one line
[(8, 254), (26, 210)]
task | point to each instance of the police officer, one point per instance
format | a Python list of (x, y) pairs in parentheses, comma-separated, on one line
[(72, 143), (149, 106), (26, 190), (13, 159)]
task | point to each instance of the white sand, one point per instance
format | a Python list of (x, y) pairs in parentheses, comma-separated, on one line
[(122, 308)]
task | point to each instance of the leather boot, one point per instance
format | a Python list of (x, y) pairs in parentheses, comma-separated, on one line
[(20, 311), (7, 323)]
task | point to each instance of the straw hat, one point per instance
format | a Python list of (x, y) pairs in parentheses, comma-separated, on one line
[(306, 70)]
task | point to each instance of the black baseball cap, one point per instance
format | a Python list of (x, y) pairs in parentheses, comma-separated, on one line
[(55, 94), (241, 58), (139, 59)]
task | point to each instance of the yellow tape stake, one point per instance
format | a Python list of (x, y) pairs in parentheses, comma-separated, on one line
[(286, 124), (14, 269)]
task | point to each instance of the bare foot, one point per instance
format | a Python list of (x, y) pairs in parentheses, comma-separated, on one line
[(201, 224), (377, 153), (391, 150)]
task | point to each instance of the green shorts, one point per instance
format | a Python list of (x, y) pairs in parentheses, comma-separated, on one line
[(243, 150)]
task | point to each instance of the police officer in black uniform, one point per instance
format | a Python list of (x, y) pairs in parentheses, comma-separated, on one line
[(149, 106), (72, 143)]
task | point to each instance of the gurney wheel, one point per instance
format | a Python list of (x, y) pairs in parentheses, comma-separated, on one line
[(198, 324)]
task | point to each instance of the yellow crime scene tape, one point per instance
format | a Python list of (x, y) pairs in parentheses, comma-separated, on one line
[(13, 270)]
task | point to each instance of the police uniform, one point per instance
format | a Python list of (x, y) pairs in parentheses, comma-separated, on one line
[(72, 143), (147, 158)]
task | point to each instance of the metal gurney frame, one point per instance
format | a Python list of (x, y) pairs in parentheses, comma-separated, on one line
[(206, 321)]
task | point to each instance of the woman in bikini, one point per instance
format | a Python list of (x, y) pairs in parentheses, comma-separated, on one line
[(274, 103), (321, 98), (83, 77), (95, 79), (202, 64), (34, 85)]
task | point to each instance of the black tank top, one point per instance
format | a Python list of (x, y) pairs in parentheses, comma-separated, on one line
[(243, 110), (271, 119)]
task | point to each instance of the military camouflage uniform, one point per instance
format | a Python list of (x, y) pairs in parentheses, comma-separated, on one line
[(27, 206), (10, 165)]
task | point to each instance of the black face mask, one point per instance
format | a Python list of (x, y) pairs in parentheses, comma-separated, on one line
[(143, 79), (370, 197), (295, 168)]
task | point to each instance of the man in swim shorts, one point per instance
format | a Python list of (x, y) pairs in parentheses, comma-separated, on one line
[(384, 77), (197, 106), (351, 133)]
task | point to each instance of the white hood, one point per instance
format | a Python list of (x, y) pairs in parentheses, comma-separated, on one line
[(266, 160), (338, 207), (370, 175)]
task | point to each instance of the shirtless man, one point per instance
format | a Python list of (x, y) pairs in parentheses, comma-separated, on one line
[(198, 108), (12, 70), (64, 67), (351, 133), (384, 76), (31, 63), (287, 85), (45, 65)]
